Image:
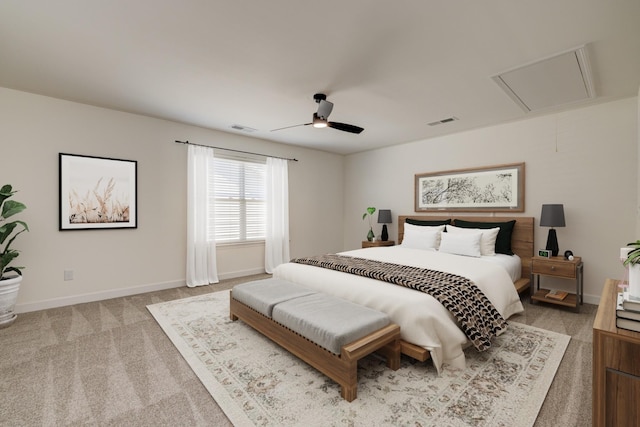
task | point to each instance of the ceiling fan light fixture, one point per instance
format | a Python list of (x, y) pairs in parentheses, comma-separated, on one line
[(319, 122)]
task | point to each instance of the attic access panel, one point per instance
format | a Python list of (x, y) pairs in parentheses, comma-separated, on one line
[(551, 82)]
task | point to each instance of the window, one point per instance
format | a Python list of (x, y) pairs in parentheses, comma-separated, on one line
[(240, 200)]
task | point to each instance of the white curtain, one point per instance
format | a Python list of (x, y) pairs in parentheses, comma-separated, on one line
[(201, 242), (277, 239)]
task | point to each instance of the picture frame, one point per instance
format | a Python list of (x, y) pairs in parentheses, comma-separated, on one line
[(487, 189), (97, 192)]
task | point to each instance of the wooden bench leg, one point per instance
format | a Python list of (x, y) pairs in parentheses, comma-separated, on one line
[(349, 393), (349, 386), (391, 353)]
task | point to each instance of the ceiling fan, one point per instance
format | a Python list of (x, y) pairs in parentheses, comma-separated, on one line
[(320, 117)]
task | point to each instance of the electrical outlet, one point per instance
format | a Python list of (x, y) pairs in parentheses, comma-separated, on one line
[(68, 275)]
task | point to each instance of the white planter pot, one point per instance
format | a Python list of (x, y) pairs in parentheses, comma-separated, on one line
[(8, 296), (634, 280)]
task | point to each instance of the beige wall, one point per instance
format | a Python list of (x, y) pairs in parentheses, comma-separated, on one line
[(109, 263), (586, 159)]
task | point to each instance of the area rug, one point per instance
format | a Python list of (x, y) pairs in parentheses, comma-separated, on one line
[(256, 382)]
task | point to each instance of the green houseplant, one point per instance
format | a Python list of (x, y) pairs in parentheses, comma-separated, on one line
[(633, 257), (10, 275), (369, 212), (633, 263)]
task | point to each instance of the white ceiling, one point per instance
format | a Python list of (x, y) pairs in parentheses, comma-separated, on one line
[(390, 67)]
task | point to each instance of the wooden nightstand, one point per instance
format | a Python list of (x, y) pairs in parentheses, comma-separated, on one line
[(377, 243), (561, 268)]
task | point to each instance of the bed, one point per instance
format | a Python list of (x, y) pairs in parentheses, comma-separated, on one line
[(428, 330)]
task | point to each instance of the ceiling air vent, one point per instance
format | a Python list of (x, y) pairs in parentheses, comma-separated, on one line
[(243, 128), (560, 79), (443, 121)]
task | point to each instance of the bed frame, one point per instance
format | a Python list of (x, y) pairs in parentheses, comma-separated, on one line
[(521, 242)]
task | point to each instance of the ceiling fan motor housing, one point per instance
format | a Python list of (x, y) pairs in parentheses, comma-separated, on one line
[(319, 97)]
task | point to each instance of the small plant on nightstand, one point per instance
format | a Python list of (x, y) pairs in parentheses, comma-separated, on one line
[(370, 211)]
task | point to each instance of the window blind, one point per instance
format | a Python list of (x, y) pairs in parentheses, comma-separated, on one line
[(239, 192)]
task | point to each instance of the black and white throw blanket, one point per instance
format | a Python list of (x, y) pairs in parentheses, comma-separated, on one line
[(477, 317)]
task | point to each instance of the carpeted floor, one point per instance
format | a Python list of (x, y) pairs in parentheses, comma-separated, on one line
[(101, 361)]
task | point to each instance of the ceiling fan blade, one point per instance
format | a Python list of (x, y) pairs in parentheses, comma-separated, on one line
[(324, 109), (345, 127), (289, 127)]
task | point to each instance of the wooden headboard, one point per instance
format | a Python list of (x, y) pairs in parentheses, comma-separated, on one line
[(521, 239)]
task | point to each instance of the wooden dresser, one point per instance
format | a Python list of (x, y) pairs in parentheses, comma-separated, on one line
[(616, 366)]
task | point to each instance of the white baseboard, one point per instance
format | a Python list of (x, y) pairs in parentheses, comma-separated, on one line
[(117, 293), (241, 273), (591, 299), (96, 296)]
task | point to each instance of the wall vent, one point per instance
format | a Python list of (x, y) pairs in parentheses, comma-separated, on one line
[(443, 121), (557, 80)]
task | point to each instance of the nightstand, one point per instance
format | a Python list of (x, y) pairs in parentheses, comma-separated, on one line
[(377, 243), (558, 267)]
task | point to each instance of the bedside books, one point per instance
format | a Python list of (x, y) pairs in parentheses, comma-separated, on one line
[(631, 303), (628, 313), (557, 295)]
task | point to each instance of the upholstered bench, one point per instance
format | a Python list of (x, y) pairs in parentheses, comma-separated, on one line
[(330, 334)]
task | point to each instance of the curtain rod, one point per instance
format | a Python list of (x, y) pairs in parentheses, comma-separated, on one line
[(237, 151)]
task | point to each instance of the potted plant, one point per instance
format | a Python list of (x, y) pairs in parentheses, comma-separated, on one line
[(633, 262), (10, 275), (370, 211)]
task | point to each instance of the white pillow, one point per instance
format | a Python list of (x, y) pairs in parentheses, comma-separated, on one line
[(467, 244), (424, 229), (408, 226), (417, 237), (488, 241)]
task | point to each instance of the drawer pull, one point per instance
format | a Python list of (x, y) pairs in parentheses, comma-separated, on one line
[(553, 267)]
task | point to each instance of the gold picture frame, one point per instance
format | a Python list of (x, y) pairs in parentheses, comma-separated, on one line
[(487, 189)]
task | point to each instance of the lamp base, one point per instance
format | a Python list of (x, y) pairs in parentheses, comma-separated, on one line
[(552, 242), (385, 234)]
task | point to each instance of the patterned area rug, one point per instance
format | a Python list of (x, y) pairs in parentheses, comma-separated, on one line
[(256, 382)]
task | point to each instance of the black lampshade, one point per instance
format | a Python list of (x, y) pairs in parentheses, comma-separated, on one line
[(552, 216), (384, 217)]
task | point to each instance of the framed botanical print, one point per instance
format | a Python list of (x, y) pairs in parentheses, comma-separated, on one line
[(488, 189), (97, 192)]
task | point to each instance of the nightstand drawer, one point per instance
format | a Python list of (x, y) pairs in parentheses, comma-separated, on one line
[(558, 269)]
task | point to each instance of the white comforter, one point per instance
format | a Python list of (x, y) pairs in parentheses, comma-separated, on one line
[(423, 320)]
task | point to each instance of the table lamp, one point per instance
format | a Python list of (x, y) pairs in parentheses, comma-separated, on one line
[(552, 216), (384, 218)]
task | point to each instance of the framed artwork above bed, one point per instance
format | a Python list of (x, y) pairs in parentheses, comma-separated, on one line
[(488, 189)]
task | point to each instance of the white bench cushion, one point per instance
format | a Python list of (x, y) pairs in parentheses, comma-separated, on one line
[(328, 321), (263, 295)]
